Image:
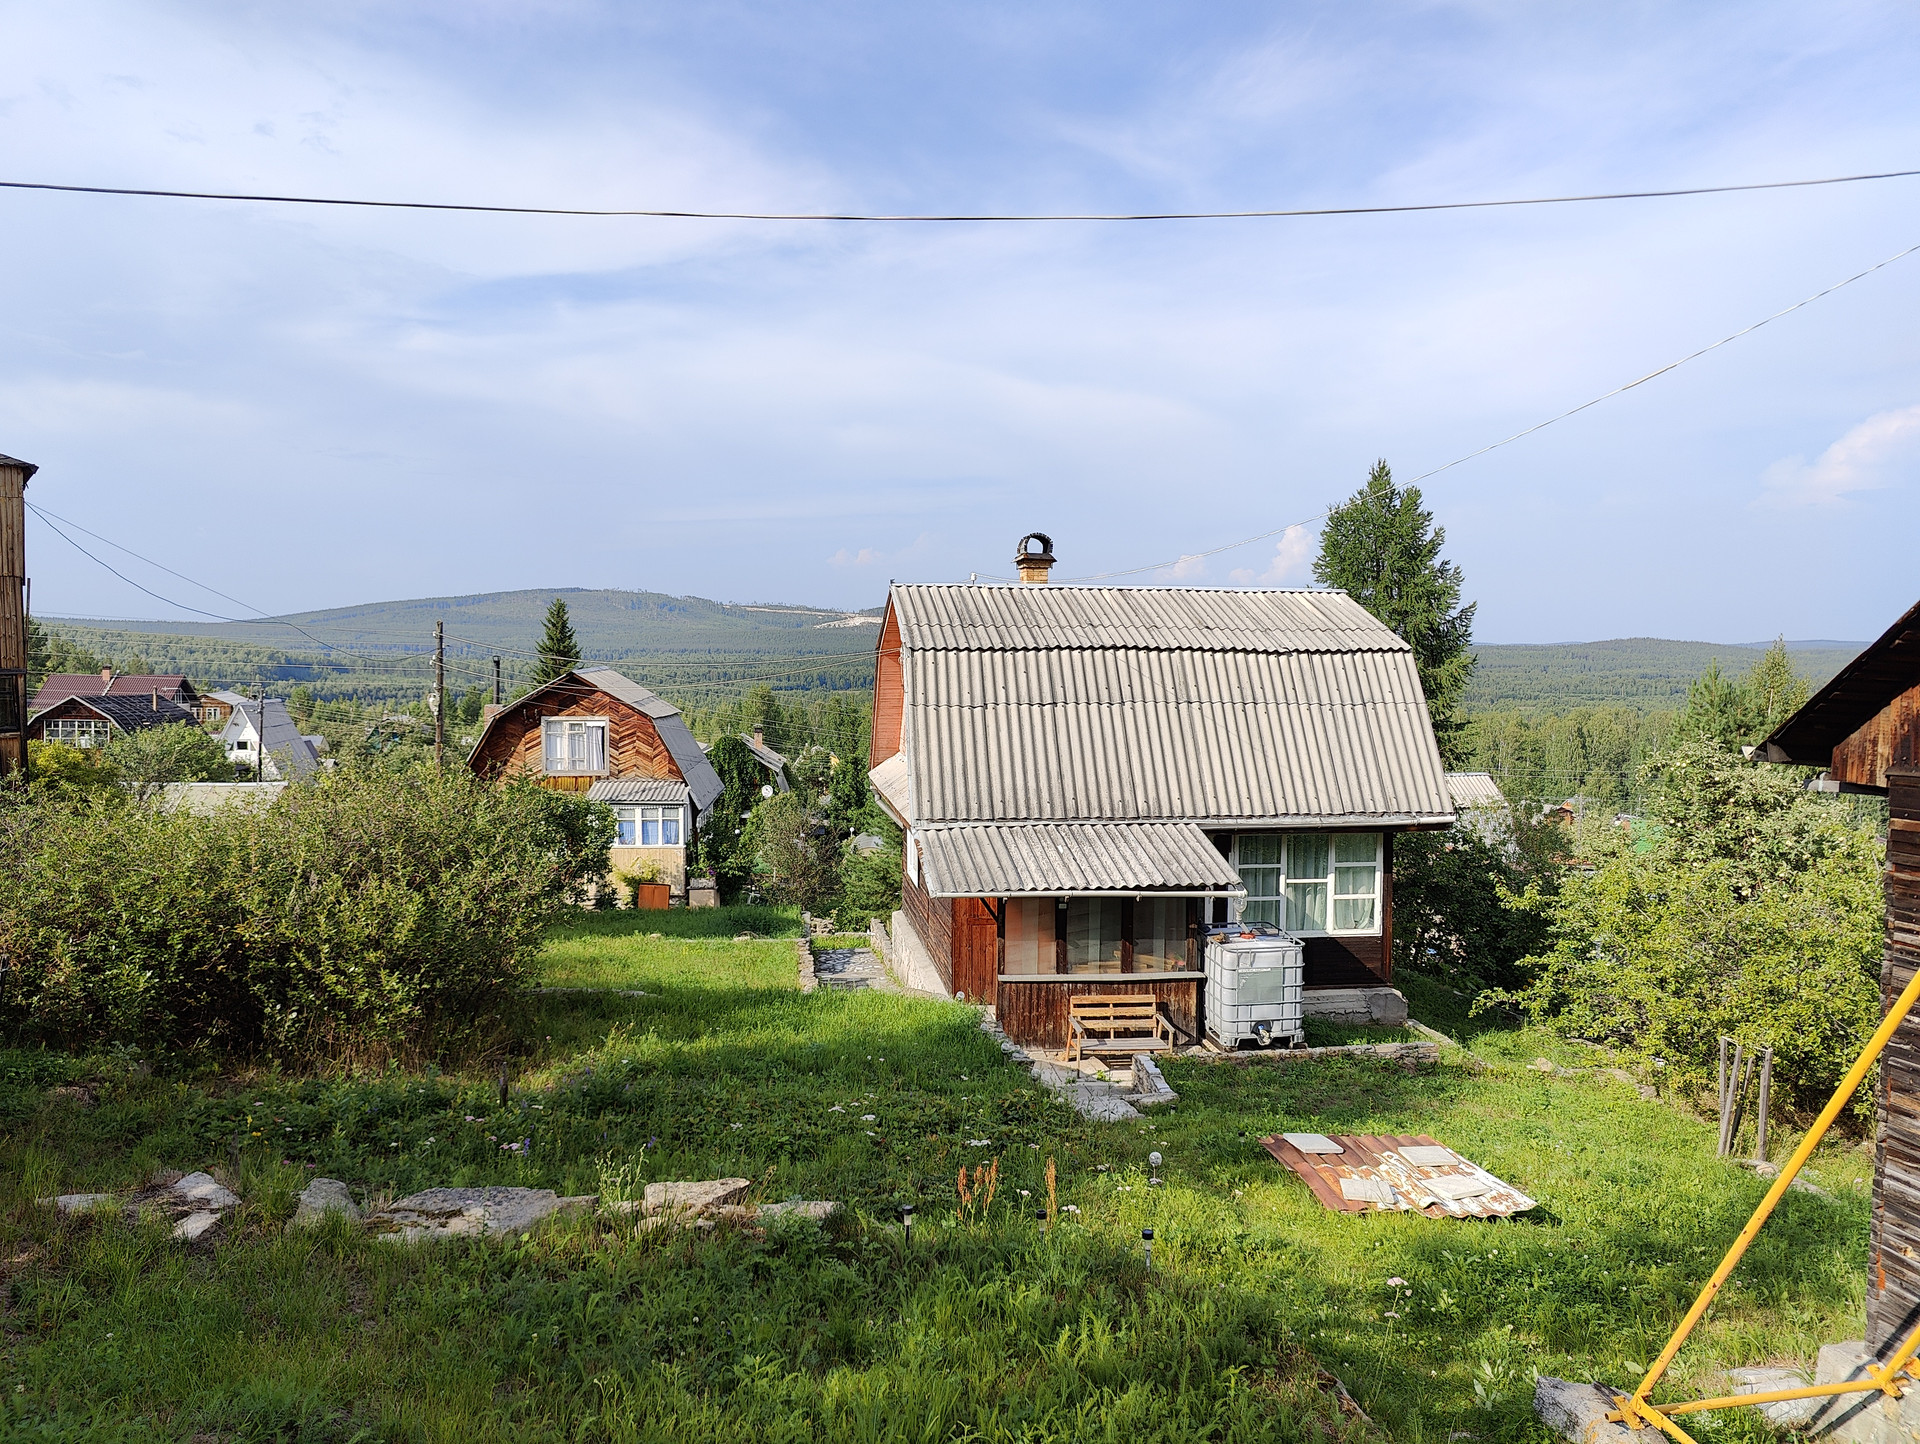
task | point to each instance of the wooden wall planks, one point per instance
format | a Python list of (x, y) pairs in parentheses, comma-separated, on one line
[(1893, 1267), (1035, 1014), (1886, 740)]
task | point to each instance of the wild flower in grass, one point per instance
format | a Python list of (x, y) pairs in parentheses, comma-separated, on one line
[(868, 1118), (1396, 1283), (979, 1143), (836, 1109)]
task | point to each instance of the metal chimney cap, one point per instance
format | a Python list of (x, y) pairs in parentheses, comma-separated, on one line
[(1024, 553)]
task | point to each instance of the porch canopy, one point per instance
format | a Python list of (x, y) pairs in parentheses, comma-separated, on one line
[(1051, 859)]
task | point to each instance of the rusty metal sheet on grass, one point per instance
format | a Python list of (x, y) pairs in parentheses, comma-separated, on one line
[(1372, 1172)]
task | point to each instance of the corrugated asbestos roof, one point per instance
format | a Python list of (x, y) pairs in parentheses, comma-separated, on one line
[(1475, 789), (1084, 732), (987, 860), (663, 791), (979, 618)]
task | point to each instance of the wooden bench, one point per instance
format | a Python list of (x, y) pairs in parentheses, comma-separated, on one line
[(1116, 1026)]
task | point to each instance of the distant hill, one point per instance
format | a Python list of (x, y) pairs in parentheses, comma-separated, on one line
[(698, 651), (1645, 673)]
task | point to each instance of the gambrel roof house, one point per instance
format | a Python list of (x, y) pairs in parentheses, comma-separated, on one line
[(596, 731), (92, 721), (171, 687), (1087, 776)]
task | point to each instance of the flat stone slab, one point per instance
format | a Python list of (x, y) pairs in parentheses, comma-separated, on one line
[(322, 1197), (701, 1197), (1787, 1413), (204, 1191), (195, 1224), (78, 1202), (819, 1210), (1577, 1412), (436, 1213)]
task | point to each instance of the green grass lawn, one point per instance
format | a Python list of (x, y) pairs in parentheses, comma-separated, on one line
[(990, 1330)]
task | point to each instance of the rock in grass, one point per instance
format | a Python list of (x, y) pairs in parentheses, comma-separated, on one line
[(322, 1197), (695, 1198), (204, 1191), (76, 1202), (437, 1213), (819, 1210), (1577, 1412), (194, 1225)]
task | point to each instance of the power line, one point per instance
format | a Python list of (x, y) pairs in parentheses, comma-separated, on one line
[(1508, 441), (954, 218)]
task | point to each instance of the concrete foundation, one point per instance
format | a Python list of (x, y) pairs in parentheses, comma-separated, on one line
[(1377, 1007), (910, 962), (1869, 1418)]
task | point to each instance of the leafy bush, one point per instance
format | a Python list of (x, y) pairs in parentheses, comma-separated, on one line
[(179, 752), (1750, 908), (364, 911), (1467, 902)]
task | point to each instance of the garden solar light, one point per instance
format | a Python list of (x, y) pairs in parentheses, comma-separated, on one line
[(906, 1220), (1146, 1237)]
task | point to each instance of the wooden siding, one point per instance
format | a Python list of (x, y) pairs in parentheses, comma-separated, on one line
[(1893, 1267), (634, 748), (1035, 1014), (889, 693), (13, 607), (1346, 962), (932, 919), (1885, 740)]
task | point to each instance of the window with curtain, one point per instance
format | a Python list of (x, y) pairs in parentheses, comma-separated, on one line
[(573, 746), (1029, 935), (1312, 882), (1093, 935), (1159, 934), (649, 826)]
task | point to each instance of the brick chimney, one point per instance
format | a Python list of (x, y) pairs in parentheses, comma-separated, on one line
[(106, 678), (1034, 557), (759, 738)]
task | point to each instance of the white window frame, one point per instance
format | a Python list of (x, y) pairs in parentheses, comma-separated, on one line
[(78, 731), (1330, 878), (561, 726), (637, 815)]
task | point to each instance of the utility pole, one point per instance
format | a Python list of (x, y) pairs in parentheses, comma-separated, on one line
[(439, 691), (496, 682)]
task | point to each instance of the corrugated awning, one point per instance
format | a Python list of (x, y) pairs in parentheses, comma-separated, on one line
[(628, 790), (1046, 859)]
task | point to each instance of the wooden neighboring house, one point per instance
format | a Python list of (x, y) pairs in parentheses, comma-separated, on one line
[(597, 731), (1863, 730), (169, 686), (93, 721), (1089, 777)]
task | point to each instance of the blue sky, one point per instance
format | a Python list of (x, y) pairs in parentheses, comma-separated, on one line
[(314, 408)]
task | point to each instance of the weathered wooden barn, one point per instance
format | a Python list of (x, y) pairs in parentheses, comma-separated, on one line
[(1088, 776), (1863, 730), (596, 731)]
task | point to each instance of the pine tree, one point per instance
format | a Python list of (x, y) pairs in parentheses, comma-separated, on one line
[(559, 648), (1382, 549)]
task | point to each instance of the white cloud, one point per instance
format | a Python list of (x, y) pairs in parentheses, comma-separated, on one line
[(1290, 564), (865, 557), (1867, 458), (1188, 568)]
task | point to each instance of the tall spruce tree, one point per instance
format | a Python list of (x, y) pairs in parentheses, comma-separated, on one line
[(559, 648), (1381, 548)]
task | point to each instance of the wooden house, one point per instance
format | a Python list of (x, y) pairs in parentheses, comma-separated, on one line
[(93, 721), (1088, 777), (1863, 730), (170, 686), (596, 731)]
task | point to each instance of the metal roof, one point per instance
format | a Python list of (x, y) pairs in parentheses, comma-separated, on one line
[(1046, 859), (282, 742), (1854, 697), (627, 790), (1078, 731), (1475, 789)]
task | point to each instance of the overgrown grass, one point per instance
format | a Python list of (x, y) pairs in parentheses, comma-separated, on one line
[(995, 1331)]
